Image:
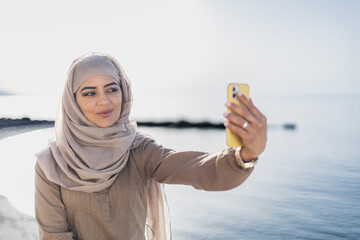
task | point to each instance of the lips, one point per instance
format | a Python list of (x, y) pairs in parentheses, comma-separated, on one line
[(105, 113)]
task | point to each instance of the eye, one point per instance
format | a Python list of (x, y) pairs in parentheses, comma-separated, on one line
[(88, 94), (112, 90)]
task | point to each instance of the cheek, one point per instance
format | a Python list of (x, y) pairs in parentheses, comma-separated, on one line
[(116, 100), (83, 105), (117, 104)]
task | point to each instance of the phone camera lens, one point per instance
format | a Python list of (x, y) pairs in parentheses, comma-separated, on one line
[(234, 95), (234, 89)]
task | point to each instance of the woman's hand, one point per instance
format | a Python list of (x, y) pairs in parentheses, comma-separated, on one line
[(252, 133)]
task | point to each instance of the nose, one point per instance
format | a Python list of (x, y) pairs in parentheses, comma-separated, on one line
[(102, 99)]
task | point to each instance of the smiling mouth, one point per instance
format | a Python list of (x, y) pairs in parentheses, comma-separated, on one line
[(105, 114)]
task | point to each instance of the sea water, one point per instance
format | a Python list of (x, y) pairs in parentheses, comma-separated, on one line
[(306, 185)]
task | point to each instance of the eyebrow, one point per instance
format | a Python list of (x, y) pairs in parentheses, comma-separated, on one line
[(110, 84)]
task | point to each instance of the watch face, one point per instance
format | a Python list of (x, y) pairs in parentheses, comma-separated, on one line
[(249, 164)]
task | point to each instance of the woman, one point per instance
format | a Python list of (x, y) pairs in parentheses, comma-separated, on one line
[(99, 179)]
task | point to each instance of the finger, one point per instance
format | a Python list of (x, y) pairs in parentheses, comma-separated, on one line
[(241, 111), (248, 103), (239, 121), (257, 112), (239, 131)]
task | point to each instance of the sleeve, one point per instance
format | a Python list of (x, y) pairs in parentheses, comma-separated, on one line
[(49, 209), (207, 171)]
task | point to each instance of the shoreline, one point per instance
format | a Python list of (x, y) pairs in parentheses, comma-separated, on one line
[(9, 122), (11, 127), (180, 124)]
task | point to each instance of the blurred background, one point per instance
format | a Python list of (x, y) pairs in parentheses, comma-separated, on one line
[(178, 53), (300, 58)]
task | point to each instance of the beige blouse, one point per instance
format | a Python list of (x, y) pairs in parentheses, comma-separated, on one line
[(119, 211)]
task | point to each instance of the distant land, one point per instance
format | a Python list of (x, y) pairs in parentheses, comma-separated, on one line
[(6, 122), (3, 93)]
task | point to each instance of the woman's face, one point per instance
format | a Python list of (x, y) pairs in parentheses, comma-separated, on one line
[(99, 99)]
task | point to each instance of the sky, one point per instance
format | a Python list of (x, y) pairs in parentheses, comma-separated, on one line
[(186, 48)]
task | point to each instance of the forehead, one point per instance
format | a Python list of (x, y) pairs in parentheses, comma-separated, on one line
[(98, 80)]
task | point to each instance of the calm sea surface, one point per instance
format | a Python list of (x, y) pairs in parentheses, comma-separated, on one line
[(306, 185)]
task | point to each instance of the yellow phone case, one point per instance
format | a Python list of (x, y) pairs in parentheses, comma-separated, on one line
[(233, 140)]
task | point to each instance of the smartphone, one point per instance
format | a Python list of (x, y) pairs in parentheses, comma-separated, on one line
[(233, 140)]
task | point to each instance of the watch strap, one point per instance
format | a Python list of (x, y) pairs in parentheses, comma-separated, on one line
[(241, 163)]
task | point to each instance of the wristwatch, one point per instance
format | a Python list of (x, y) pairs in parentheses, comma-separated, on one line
[(241, 163)]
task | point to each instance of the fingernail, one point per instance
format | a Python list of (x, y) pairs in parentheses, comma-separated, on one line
[(228, 104), (239, 94), (225, 114), (226, 124)]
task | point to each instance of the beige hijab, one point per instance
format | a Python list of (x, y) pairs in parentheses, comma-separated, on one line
[(88, 158)]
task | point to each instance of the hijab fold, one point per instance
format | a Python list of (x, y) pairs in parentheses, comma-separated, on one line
[(88, 158)]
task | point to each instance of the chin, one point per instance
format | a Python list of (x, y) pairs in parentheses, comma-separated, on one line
[(105, 124)]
